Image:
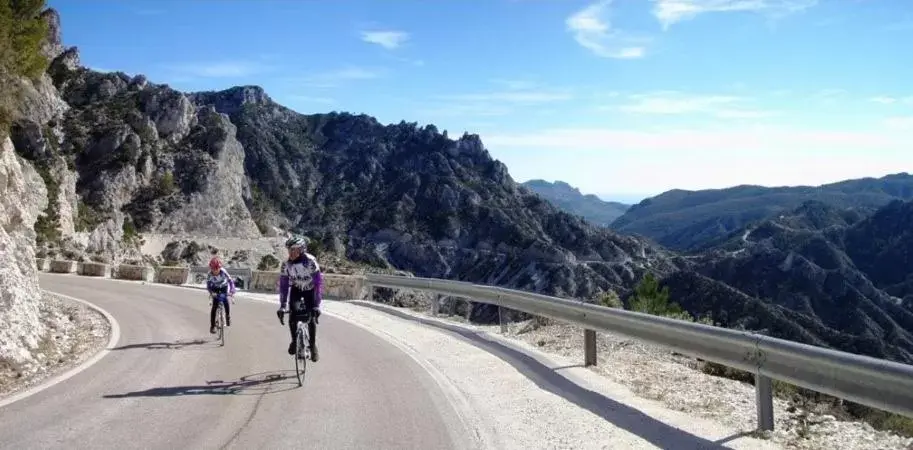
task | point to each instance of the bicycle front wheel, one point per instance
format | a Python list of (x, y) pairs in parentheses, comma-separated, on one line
[(300, 358), (221, 319)]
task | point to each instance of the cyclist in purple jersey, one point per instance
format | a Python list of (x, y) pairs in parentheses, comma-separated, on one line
[(300, 286)]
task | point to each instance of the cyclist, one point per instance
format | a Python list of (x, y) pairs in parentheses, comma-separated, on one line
[(300, 284), (218, 282)]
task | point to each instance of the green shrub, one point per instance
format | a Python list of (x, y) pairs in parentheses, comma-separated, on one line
[(22, 32), (268, 262)]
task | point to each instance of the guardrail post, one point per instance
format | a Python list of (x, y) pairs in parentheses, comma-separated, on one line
[(765, 399), (453, 304), (589, 347), (435, 304), (502, 320)]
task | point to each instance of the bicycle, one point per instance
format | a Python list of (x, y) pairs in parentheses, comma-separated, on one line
[(302, 340), (220, 314)]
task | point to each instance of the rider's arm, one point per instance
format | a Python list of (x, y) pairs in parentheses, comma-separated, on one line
[(283, 285), (231, 283), (318, 281), (318, 288)]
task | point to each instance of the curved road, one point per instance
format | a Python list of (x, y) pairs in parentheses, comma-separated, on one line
[(167, 384)]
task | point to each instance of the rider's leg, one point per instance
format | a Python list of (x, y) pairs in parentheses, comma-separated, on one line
[(212, 317), (227, 305), (309, 300), (292, 329)]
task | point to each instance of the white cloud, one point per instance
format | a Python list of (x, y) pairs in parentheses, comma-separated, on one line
[(592, 30), (220, 69), (386, 39), (763, 138), (669, 12), (884, 100), (900, 123), (511, 97), (625, 160), (336, 77), (310, 99), (892, 100), (676, 103)]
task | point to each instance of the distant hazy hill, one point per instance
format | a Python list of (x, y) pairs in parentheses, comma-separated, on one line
[(569, 198), (690, 220)]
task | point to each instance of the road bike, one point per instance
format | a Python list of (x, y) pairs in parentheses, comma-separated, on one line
[(220, 314), (302, 340)]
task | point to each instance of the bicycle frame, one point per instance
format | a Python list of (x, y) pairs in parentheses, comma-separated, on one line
[(222, 299)]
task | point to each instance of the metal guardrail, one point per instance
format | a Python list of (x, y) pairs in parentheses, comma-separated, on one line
[(869, 381)]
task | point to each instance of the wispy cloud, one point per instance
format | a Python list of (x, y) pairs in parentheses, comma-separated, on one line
[(509, 96), (677, 103), (220, 69), (723, 156), (388, 39), (670, 12), (335, 78), (310, 99), (884, 100), (593, 30), (515, 91), (900, 123), (892, 100), (727, 140)]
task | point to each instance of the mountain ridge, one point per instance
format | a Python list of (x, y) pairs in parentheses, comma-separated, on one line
[(686, 221), (570, 199)]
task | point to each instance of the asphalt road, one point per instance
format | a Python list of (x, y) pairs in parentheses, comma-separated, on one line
[(168, 384)]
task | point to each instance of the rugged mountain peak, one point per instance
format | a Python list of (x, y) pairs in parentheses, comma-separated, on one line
[(230, 101), (53, 44)]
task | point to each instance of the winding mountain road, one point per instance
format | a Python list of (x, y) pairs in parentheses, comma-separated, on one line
[(168, 384)]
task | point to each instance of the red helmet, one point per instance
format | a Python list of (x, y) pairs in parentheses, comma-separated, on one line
[(215, 263)]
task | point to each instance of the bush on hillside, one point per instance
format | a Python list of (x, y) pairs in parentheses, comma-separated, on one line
[(22, 32)]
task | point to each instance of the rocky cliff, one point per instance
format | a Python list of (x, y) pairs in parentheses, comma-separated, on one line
[(22, 197)]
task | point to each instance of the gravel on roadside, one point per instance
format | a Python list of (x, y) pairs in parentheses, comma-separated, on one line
[(75, 333)]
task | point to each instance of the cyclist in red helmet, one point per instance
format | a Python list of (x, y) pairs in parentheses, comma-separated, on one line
[(219, 284)]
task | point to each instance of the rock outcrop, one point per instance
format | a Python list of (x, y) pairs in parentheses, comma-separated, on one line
[(22, 197)]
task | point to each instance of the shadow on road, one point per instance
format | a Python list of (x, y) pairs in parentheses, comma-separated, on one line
[(177, 345), (254, 384), (619, 414)]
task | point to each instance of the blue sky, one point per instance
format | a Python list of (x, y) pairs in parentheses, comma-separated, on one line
[(623, 98)]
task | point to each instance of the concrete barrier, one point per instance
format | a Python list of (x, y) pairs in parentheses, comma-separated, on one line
[(172, 275), (198, 274), (348, 287), (344, 287), (62, 266), (41, 264), (93, 269), (264, 281), (138, 273)]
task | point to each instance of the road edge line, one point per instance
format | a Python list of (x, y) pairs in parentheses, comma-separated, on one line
[(92, 360)]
